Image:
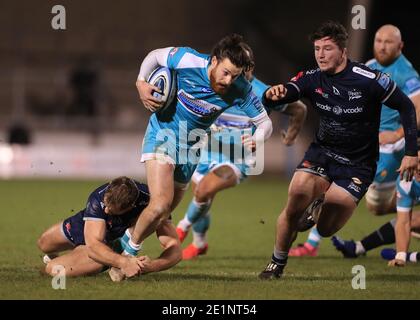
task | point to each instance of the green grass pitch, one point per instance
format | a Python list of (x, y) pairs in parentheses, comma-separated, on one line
[(240, 244)]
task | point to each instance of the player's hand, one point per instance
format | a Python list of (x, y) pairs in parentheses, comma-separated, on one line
[(386, 137), (146, 90), (276, 92), (396, 263), (287, 138), (408, 168), (248, 142), (131, 267), (145, 264)]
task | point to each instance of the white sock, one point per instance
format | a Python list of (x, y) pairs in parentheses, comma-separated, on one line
[(413, 257), (359, 248), (184, 224), (199, 239)]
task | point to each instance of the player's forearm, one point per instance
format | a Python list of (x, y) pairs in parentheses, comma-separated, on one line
[(146, 224), (264, 127), (292, 95), (103, 254), (402, 231), (154, 59), (297, 111), (399, 101), (169, 257)]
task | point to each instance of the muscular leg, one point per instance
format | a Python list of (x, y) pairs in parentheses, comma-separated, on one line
[(219, 179), (303, 189), (162, 190), (53, 241), (337, 209), (76, 263)]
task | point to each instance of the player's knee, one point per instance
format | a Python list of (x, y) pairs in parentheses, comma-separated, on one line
[(160, 210), (203, 193), (43, 243), (375, 209)]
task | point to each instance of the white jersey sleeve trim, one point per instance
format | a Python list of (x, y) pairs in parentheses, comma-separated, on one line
[(390, 93), (415, 93), (154, 59), (403, 209), (190, 60)]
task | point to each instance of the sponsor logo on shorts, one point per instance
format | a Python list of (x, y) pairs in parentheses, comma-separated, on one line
[(354, 187)]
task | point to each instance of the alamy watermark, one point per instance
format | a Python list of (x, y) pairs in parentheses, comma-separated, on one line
[(239, 146), (58, 22), (359, 280), (359, 19), (58, 282)]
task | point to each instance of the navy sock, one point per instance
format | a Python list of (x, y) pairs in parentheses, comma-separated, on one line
[(384, 235)]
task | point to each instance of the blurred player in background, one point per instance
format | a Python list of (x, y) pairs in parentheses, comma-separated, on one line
[(218, 171), (207, 86), (96, 232), (340, 164), (380, 197)]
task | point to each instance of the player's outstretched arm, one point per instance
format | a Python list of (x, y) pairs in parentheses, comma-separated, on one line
[(297, 112), (100, 252), (402, 238), (171, 254)]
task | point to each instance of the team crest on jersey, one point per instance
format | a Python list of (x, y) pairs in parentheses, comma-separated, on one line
[(354, 94), (335, 90), (364, 73), (321, 92), (384, 173)]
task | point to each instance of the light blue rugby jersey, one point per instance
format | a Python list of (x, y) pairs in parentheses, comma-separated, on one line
[(406, 78), (408, 194), (197, 105), (236, 117)]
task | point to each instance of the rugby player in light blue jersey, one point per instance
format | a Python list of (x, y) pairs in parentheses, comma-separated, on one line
[(380, 197), (206, 86), (219, 170)]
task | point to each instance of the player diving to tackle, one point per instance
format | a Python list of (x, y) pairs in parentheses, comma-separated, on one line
[(95, 235), (340, 164), (220, 169), (207, 86)]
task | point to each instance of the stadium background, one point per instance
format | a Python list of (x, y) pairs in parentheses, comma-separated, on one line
[(58, 137)]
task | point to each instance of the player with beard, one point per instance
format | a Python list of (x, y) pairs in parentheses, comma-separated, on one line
[(206, 86)]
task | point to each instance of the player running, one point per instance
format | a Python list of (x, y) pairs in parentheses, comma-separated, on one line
[(220, 170), (340, 164), (380, 197)]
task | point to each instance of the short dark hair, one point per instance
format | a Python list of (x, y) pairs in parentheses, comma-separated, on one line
[(333, 30), (234, 48), (122, 193)]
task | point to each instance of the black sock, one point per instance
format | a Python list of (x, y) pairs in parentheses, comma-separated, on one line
[(384, 235), (281, 261)]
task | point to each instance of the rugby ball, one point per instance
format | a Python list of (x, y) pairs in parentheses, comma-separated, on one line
[(164, 79)]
